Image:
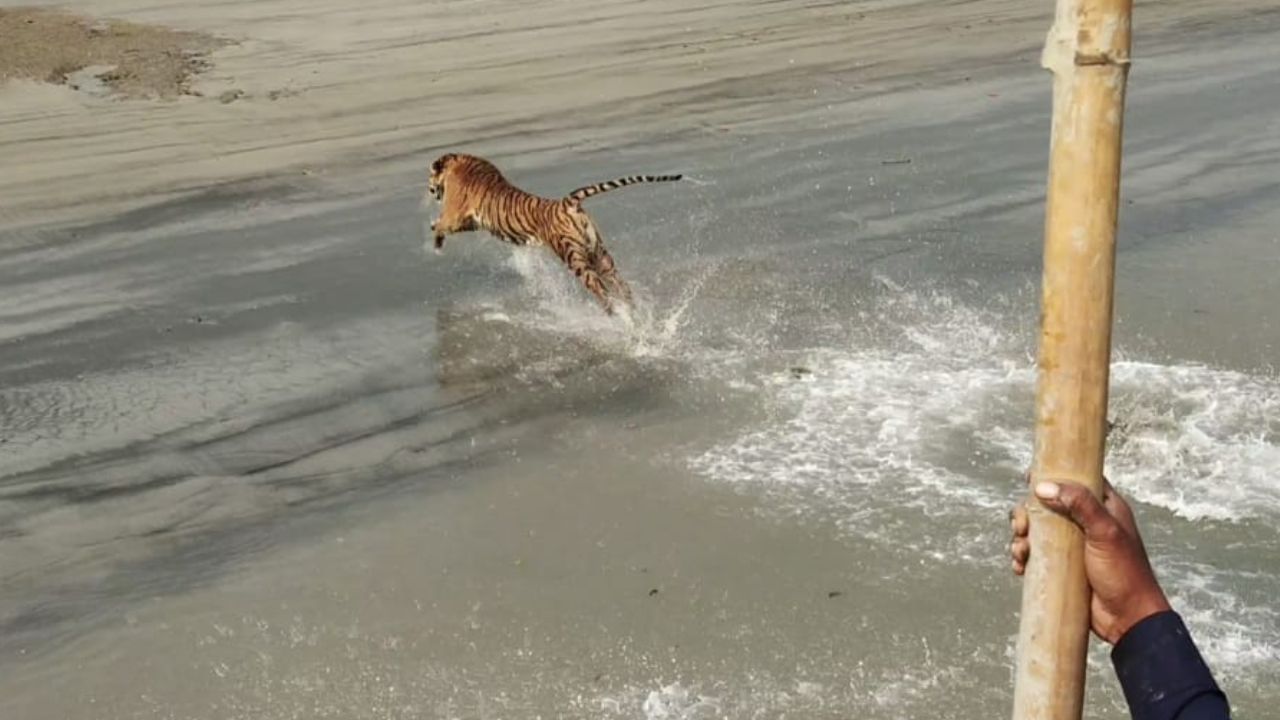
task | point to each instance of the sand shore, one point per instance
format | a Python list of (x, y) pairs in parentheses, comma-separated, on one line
[(303, 89)]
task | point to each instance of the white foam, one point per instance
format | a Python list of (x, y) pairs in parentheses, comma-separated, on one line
[(1236, 635), (557, 303), (915, 689), (884, 420), (675, 702), (1201, 442), (948, 391), (742, 697), (932, 422)]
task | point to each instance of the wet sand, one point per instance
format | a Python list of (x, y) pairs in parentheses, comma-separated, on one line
[(99, 57), (321, 87), (265, 457)]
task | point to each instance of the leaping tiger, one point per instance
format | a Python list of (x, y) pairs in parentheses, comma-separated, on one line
[(474, 195)]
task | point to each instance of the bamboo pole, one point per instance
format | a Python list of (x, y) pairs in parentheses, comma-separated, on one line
[(1088, 52)]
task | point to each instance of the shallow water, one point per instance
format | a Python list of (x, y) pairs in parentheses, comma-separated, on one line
[(270, 459)]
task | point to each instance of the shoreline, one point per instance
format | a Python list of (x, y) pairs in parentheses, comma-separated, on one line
[(317, 95)]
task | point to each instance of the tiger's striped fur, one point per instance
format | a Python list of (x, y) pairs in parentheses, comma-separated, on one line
[(474, 195), (583, 193)]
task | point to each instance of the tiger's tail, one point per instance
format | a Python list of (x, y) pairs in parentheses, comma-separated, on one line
[(583, 193)]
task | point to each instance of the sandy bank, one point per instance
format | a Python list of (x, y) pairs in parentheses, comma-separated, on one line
[(306, 86)]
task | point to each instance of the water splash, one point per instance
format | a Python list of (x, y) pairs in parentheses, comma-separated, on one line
[(900, 415), (1201, 442), (557, 304), (936, 414)]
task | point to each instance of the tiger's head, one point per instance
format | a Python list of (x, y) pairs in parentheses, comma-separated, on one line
[(439, 168)]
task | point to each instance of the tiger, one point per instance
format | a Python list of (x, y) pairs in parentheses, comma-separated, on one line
[(474, 195)]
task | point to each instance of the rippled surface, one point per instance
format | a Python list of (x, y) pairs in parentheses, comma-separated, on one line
[(274, 461)]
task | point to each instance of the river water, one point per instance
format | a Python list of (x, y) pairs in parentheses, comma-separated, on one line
[(265, 457)]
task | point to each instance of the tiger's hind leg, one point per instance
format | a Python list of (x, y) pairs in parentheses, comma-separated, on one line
[(608, 272), (578, 262), (601, 260)]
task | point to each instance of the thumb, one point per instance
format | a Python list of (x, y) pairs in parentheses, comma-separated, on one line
[(1076, 502)]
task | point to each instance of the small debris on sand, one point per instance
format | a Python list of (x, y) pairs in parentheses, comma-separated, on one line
[(90, 80)]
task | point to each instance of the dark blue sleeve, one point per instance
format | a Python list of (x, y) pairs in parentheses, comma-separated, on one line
[(1163, 675)]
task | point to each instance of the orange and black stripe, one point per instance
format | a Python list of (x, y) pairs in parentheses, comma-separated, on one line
[(583, 193)]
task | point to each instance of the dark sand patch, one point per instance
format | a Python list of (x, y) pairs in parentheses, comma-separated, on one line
[(131, 59)]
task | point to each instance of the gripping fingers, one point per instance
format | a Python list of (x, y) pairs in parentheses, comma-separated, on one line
[(1019, 553), (1020, 544), (1019, 522)]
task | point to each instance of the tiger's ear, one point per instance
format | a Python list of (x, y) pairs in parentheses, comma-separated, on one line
[(443, 160)]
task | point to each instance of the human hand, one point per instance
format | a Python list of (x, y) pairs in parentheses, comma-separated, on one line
[(1124, 590)]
